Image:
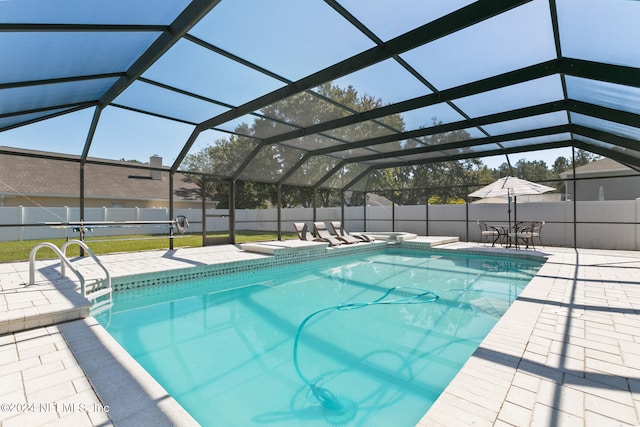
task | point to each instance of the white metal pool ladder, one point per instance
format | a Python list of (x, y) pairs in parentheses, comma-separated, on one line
[(99, 288)]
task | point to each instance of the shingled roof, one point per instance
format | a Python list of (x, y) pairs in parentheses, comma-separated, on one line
[(602, 166), (35, 176)]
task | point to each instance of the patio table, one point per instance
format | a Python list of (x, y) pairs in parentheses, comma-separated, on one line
[(502, 234)]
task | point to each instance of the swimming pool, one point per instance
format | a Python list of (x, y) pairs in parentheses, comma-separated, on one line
[(365, 340)]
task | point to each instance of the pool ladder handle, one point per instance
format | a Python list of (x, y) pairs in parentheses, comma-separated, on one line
[(92, 295)]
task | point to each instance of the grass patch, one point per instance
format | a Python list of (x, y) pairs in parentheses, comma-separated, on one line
[(15, 251)]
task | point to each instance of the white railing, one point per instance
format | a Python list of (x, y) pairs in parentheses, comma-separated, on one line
[(92, 294)]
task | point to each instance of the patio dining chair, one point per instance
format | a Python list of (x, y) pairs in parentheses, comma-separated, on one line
[(488, 233), (537, 231), (526, 231)]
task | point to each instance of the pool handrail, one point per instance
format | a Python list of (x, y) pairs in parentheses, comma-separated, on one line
[(64, 262)]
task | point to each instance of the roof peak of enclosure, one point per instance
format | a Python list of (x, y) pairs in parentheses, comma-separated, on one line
[(320, 93)]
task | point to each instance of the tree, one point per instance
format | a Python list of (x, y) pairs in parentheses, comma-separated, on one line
[(218, 160), (584, 157), (560, 165), (535, 170), (271, 162), (444, 179)]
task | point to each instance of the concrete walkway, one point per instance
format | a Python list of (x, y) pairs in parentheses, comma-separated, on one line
[(566, 353)]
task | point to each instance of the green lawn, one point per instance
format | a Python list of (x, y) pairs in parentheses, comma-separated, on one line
[(19, 250)]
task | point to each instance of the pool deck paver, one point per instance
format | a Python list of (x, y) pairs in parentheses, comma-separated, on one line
[(566, 353), (43, 383)]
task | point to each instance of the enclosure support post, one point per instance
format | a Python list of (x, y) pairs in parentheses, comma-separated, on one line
[(575, 197), (170, 210), (279, 206), (426, 209), (203, 196), (232, 211), (466, 220), (81, 192), (314, 205), (364, 216), (342, 208), (81, 204), (393, 214)]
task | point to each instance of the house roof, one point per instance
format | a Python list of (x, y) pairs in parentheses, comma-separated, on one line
[(602, 166), (38, 176)]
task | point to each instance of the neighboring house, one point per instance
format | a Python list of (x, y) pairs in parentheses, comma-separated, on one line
[(598, 185), (31, 181)]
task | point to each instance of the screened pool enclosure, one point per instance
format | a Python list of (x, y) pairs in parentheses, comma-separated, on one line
[(310, 98)]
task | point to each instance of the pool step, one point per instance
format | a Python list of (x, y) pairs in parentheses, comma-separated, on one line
[(92, 296)]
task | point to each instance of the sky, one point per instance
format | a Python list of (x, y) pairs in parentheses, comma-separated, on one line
[(287, 45)]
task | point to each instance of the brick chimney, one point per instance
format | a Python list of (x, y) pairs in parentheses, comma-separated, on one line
[(156, 162)]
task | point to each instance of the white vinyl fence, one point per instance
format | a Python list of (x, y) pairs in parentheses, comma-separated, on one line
[(600, 224)]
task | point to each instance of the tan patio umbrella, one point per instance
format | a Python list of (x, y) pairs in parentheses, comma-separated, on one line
[(509, 187)]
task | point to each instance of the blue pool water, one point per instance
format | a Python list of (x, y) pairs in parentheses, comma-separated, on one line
[(366, 340)]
